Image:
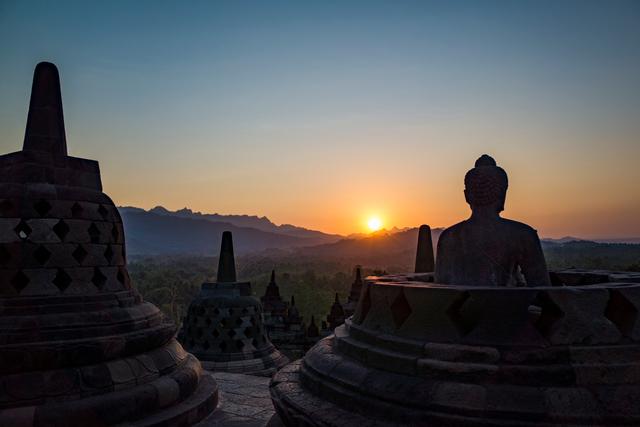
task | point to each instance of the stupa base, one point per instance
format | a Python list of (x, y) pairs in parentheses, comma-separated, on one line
[(166, 386), (363, 396), (264, 366), (202, 403), (432, 355)]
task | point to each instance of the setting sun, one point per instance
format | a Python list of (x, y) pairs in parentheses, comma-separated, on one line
[(374, 224)]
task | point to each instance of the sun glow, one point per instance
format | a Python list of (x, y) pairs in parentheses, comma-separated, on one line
[(374, 223)]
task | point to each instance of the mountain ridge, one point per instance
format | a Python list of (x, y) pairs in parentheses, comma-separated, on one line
[(251, 221), (159, 231)]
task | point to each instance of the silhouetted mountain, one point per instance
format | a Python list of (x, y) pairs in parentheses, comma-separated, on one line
[(627, 240), (565, 239), (381, 249), (250, 221), (161, 232), (396, 251), (155, 233)]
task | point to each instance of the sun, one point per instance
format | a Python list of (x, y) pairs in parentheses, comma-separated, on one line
[(374, 223)]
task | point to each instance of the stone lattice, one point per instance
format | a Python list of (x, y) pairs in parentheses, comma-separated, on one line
[(426, 354), (78, 345), (224, 324)]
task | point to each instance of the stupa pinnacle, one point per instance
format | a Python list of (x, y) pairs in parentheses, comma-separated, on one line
[(224, 326), (226, 262), (78, 345), (45, 121), (424, 254)]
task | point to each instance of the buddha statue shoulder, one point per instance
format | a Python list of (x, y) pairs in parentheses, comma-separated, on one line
[(486, 249)]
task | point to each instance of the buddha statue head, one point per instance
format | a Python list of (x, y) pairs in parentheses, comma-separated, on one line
[(486, 185)]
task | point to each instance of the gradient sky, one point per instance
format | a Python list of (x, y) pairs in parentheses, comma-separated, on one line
[(323, 114)]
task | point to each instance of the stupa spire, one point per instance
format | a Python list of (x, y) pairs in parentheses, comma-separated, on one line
[(424, 254), (45, 121), (221, 345), (271, 293), (226, 262)]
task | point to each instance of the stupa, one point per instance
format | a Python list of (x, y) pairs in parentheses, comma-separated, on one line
[(78, 345), (273, 305), (282, 320), (224, 326), (505, 349), (354, 294), (336, 315)]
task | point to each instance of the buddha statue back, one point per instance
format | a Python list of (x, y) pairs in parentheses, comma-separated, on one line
[(486, 249)]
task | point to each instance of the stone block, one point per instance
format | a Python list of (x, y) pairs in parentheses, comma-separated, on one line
[(469, 397), (521, 402), (464, 371), (430, 321), (461, 353), (583, 319), (565, 405), (392, 361)]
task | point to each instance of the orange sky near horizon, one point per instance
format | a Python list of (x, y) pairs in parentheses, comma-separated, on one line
[(592, 194), (323, 114)]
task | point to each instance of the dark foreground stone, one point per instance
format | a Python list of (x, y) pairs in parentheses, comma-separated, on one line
[(224, 325), (78, 344), (244, 402), (432, 355)]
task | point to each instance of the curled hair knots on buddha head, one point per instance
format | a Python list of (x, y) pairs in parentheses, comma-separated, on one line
[(486, 183)]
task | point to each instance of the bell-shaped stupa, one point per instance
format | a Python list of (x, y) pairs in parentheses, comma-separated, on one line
[(78, 345), (224, 325)]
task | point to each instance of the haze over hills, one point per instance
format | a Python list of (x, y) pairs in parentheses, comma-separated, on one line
[(159, 231), (566, 239), (383, 248)]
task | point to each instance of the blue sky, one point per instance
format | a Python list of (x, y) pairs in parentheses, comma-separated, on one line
[(325, 113)]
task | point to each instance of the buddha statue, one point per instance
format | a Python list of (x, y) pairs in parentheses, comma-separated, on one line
[(487, 250)]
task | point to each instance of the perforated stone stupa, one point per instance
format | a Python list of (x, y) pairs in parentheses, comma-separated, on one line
[(78, 345), (224, 326), (431, 354)]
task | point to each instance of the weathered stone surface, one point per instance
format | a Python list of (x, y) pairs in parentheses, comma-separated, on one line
[(513, 356), (78, 345), (244, 402)]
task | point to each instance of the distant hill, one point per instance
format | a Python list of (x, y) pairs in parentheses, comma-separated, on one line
[(628, 240), (588, 254), (161, 232), (251, 221), (394, 249), (567, 239)]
